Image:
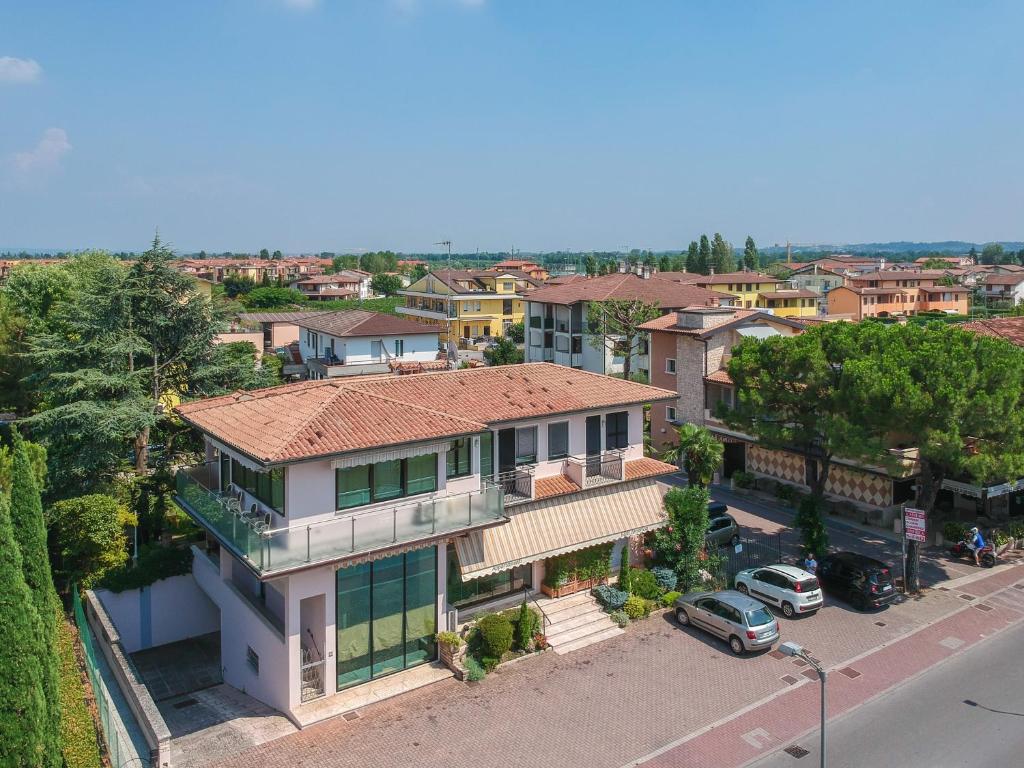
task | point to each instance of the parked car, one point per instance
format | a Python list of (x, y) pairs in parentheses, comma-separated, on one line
[(722, 528), (862, 581), (736, 618), (793, 590)]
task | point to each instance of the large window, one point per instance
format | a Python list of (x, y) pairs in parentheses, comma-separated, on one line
[(558, 440), (487, 454), (616, 430), (267, 487), (386, 616), (459, 462), (385, 480), (526, 445)]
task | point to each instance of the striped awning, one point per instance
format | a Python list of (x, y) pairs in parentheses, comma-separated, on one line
[(563, 524)]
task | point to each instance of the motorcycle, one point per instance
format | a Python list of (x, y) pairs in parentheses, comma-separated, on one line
[(986, 555)]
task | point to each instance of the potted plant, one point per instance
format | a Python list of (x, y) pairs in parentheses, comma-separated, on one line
[(1002, 542), (449, 644)]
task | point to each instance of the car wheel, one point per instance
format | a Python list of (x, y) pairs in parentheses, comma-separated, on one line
[(742, 588), (787, 610), (858, 601), (682, 617), (735, 539), (736, 645)]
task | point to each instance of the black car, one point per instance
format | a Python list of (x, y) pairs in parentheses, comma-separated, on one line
[(862, 581)]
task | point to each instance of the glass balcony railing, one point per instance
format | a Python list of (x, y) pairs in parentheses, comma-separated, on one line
[(270, 550)]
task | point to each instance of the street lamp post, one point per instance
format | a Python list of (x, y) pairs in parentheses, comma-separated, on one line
[(792, 649)]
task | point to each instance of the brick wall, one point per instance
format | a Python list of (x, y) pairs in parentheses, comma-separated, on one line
[(844, 482)]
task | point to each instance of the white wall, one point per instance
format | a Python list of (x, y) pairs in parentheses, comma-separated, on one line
[(355, 350), (164, 612)]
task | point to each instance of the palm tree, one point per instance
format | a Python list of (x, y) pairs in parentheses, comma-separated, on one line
[(698, 451)]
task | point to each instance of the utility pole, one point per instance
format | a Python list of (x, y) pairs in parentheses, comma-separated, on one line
[(448, 298)]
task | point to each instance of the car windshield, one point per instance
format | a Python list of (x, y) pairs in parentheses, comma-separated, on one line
[(882, 577), (808, 585), (757, 617)]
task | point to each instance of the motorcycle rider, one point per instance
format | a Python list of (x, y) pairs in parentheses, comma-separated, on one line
[(976, 543)]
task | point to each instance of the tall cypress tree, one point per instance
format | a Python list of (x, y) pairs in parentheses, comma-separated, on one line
[(721, 255), (22, 705), (30, 536), (751, 258), (704, 256), (692, 257)]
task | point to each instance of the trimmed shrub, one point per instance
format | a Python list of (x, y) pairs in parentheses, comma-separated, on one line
[(635, 607), (495, 636), (1016, 529), (669, 599), (474, 670), (449, 638), (644, 584), (624, 571), (954, 531), (620, 618), (742, 479), (665, 577), (77, 732), (489, 663), (526, 625), (999, 538), (611, 598), (154, 563)]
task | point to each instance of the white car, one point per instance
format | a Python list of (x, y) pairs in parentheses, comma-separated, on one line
[(793, 590)]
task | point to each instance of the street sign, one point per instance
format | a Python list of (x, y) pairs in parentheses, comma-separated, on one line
[(915, 524)]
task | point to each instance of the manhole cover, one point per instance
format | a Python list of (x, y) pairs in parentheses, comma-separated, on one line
[(983, 607), (800, 662), (184, 703), (850, 672), (810, 674), (796, 751), (789, 679), (351, 715), (966, 597)]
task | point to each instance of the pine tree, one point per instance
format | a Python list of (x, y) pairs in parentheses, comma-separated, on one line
[(30, 536), (721, 255), (751, 258), (704, 263), (22, 705), (692, 257)]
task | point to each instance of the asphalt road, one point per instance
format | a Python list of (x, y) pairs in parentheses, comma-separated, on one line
[(929, 722)]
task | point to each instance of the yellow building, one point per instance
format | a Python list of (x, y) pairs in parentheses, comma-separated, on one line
[(476, 303), (790, 302), (745, 286)]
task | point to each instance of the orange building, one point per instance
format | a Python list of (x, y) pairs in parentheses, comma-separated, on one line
[(531, 268), (897, 293)]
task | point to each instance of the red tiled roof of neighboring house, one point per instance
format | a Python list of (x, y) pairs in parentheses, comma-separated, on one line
[(1010, 329), (669, 322), (359, 322), (667, 294), (944, 289), (321, 418), (733, 277), (417, 366), (901, 274), (338, 277), (564, 279), (546, 487), (647, 467), (278, 317), (453, 277), (519, 264), (801, 293), (721, 376), (997, 279), (679, 277)]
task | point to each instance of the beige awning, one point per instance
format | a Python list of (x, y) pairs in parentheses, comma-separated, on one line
[(563, 524)]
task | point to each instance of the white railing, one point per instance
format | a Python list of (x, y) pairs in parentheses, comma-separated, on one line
[(588, 471)]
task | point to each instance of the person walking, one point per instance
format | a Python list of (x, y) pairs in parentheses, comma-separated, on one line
[(810, 564)]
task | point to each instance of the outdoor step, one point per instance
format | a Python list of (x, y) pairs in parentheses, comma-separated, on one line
[(600, 624), (571, 612), (588, 616), (586, 640), (553, 606)]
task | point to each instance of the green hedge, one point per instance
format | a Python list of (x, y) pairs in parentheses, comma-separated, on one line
[(154, 564), (77, 731)]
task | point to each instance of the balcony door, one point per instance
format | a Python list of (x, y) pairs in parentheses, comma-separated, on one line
[(593, 444)]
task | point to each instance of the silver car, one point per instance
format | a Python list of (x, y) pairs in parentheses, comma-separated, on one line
[(738, 619)]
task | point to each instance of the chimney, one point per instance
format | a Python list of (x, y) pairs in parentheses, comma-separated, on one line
[(702, 318), (646, 273)]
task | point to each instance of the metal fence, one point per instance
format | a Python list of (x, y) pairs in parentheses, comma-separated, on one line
[(756, 549), (121, 750)]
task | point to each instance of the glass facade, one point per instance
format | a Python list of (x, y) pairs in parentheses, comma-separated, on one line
[(475, 590), (386, 615), (385, 480)]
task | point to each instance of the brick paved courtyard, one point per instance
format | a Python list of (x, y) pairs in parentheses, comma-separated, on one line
[(603, 706)]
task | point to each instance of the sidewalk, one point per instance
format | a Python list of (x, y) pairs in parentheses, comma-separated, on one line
[(992, 604)]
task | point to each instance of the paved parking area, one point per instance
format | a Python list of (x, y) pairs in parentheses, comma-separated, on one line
[(179, 668)]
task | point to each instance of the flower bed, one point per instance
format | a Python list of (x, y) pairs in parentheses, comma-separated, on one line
[(576, 571)]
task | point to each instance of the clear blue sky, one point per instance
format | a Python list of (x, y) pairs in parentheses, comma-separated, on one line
[(543, 124)]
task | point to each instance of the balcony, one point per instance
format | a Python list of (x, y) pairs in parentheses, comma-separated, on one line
[(330, 368), (517, 485), (270, 551), (592, 471)]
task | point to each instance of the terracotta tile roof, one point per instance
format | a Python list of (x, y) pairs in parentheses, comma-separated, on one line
[(359, 322), (479, 277), (944, 289), (320, 418), (1010, 329), (278, 317), (679, 277), (667, 294), (901, 274), (668, 322), (720, 376), (647, 467), (558, 485), (996, 279)]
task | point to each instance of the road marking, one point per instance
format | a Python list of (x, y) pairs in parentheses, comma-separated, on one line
[(753, 738)]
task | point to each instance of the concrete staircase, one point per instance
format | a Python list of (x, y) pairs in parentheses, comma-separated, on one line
[(576, 622)]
